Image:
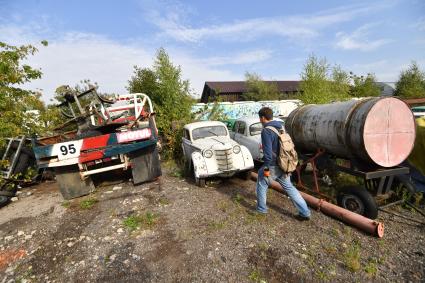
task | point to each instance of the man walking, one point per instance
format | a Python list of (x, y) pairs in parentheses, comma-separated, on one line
[(270, 169)]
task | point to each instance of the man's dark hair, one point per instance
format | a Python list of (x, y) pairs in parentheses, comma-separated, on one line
[(266, 112)]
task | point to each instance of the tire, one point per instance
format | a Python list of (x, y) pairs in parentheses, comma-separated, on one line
[(26, 158), (403, 187), (8, 193), (70, 183), (200, 182), (357, 199), (245, 175), (145, 165), (4, 200)]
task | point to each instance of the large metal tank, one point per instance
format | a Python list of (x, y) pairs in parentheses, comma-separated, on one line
[(377, 130)]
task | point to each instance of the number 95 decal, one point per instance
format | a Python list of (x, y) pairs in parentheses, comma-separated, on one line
[(67, 149)]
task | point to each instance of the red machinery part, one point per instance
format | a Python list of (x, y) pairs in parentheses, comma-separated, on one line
[(365, 224), (375, 130)]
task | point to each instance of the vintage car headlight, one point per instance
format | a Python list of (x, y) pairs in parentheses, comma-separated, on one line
[(208, 153), (236, 149)]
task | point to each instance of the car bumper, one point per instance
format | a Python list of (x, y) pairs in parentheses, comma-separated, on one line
[(226, 173)]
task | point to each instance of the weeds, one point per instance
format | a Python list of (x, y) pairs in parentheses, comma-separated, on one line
[(371, 268), (174, 170), (146, 220), (335, 232), (216, 225), (223, 205), (255, 276), (66, 204), (343, 179), (238, 198), (164, 201), (322, 275), (255, 217), (352, 258), (88, 203)]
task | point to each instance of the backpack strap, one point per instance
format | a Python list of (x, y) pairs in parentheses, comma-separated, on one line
[(273, 129)]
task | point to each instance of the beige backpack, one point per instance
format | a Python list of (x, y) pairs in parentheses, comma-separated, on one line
[(288, 157)]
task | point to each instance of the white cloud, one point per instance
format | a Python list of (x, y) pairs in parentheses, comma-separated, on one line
[(299, 27), (72, 57), (247, 57), (357, 40)]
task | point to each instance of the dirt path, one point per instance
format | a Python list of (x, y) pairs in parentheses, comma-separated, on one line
[(172, 231)]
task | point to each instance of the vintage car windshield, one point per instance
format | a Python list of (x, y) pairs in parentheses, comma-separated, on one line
[(209, 131), (255, 129)]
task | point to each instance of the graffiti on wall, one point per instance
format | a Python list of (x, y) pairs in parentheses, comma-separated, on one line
[(241, 109)]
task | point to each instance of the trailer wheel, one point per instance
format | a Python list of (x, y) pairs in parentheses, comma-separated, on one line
[(403, 187), (357, 199), (4, 200)]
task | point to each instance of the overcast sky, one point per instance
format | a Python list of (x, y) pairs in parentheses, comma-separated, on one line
[(212, 40)]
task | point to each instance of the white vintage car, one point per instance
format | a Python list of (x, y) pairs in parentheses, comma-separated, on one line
[(247, 132), (210, 151)]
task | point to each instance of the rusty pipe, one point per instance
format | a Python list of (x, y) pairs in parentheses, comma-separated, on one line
[(365, 224)]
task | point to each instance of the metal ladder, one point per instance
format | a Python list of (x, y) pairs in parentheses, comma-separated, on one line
[(6, 173)]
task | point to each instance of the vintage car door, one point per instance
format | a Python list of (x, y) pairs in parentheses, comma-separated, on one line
[(239, 131), (253, 140), (233, 131), (187, 145)]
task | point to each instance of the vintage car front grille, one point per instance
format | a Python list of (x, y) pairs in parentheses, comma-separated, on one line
[(224, 159)]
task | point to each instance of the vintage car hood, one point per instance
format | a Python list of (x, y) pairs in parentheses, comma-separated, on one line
[(215, 143)]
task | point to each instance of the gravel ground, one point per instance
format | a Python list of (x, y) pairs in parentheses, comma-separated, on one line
[(173, 231)]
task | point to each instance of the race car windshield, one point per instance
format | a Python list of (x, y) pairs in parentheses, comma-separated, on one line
[(210, 131)]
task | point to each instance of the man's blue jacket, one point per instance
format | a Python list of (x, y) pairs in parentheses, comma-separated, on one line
[(270, 142)]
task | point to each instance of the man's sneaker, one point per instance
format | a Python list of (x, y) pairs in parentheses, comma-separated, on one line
[(302, 218)]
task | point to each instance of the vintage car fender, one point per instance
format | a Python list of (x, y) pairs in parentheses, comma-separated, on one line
[(247, 157), (199, 165)]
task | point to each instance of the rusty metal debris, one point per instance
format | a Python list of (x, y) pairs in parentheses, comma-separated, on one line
[(365, 224)]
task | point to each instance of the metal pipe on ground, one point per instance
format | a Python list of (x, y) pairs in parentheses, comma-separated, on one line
[(365, 224)]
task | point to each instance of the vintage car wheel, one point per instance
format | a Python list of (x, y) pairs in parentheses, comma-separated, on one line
[(200, 182), (4, 200), (357, 199)]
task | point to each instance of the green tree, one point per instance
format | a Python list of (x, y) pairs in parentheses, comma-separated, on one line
[(321, 84), (144, 80), (340, 85), (364, 86), (258, 90), (19, 108), (171, 97), (411, 83)]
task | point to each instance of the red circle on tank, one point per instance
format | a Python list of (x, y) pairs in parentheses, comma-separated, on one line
[(389, 132)]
